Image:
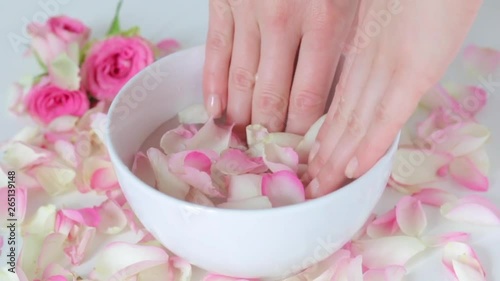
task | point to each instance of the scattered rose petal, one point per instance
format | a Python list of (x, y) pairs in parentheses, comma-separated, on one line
[(104, 179), (349, 270), (283, 188), (112, 218), (283, 139), (194, 114), (411, 216), (385, 251), (461, 261), (324, 270), (256, 134), (481, 160), (465, 173), (438, 97), (472, 99), (54, 272), (79, 243), (56, 180), (388, 273), (443, 239), (461, 141), (42, 222), (63, 123), (216, 277), (19, 155), (254, 203), (434, 197), (472, 209), (384, 225), (49, 252), (67, 152)]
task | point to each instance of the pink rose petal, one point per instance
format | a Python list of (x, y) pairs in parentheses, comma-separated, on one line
[(324, 270), (472, 209), (471, 98), (78, 247), (244, 187), (443, 239), (434, 197), (416, 167), (67, 151), (256, 133), (304, 147), (211, 136), (388, 273), (411, 216), (283, 188), (462, 262), (166, 181), (158, 272), (481, 160), (194, 114), (50, 251), (55, 179), (120, 260), (63, 123), (254, 203), (350, 269), (464, 172), (385, 251), (481, 61), (279, 158), (197, 197), (56, 271), (112, 218), (461, 140), (104, 179), (143, 170), (19, 155), (167, 46), (85, 216), (237, 162), (384, 225), (176, 139)]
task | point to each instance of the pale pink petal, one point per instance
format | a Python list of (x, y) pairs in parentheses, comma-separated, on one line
[(166, 181), (237, 143), (304, 147), (120, 260), (438, 97), (381, 252), (256, 133), (254, 203), (362, 232), (416, 167), (194, 114), (159, 272), (434, 197), (284, 139), (388, 273), (30, 253), (56, 180), (98, 125), (481, 160), (51, 250), (244, 187), (472, 209), (167, 46), (29, 135), (211, 136), (176, 139), (481, 61), (237, 162), (462, 262), (42, 222), (324, 270), (113, 219), (18, 155), (13, 202), (180, 270), (426, 127), (384, 225), (63, 123), (85, 216), (143, 170), (104, 179), (56, 278), (460, 140), (86, 180), (84, 123), (283, 188), (67, 151), (55, 271), (410, 216), (464, 172), (279, 158), (351, 270), (197, 197), (471, 98), (405, 189), (78, 248), (443, 239)]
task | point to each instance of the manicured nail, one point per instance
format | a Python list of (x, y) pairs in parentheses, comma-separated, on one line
[(214, 106), (351, 168), (314, 151)]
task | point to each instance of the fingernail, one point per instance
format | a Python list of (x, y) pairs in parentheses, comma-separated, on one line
[(214, 106), (314, 151), (351, 168), (313, 188)]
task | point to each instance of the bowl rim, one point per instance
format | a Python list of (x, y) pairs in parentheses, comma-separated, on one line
[(139, 184)]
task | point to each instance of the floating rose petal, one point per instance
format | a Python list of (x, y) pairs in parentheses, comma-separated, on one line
[(180, 270), (462, 262), (166, 181), (279, 158), (472, 209), (143, 170), (237, 162), (384, 225), (16, 211), (112, 218), (411, 216), (283, 188), (256, 134), (465, 173), (56, 180), (243, 187), (388, 273), (254, 203), (120, 261), (381, 252), (443, 239), (175, 140), (415, 167), (197, 197), (194, 114), (481, 160), (481, 61), (434, 197), (304, 147), (283, 139), (211, 136), (19, 155)]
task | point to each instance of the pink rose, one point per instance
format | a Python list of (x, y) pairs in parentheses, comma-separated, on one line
[(46, 102), (112, 62), (57, 36)]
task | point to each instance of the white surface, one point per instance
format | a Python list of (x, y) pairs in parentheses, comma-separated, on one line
[(186, 20), (229, 242)]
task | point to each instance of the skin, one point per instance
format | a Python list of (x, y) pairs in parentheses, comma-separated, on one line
[(273, 62)]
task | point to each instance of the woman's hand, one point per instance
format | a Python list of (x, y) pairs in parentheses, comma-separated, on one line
[(272, 62), (391, 62)]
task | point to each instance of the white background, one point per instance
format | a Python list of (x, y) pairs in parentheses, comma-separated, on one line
[(186, 21)]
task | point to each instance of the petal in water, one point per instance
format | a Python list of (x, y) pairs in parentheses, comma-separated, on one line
[(194, 114), (283, 188), (237, 162), (176, 140), (166, 181), (279, 158), (472, 209), (465, 173), (243, 187), (143, 170), (410, 216), (385, 251), (304, 147), (211, 136)]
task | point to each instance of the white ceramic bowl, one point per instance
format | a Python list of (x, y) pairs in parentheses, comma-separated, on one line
[(271, 243)]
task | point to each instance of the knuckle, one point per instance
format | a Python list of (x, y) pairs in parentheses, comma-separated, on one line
[(306, 102), (243, 79), (217, 41), (279, 17), (270, 100), (355, 126)]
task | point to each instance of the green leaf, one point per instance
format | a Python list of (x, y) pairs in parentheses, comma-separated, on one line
[(85, 50), (115, 28), (39, 77), (65, 72), (134, 31), (39, 61)]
